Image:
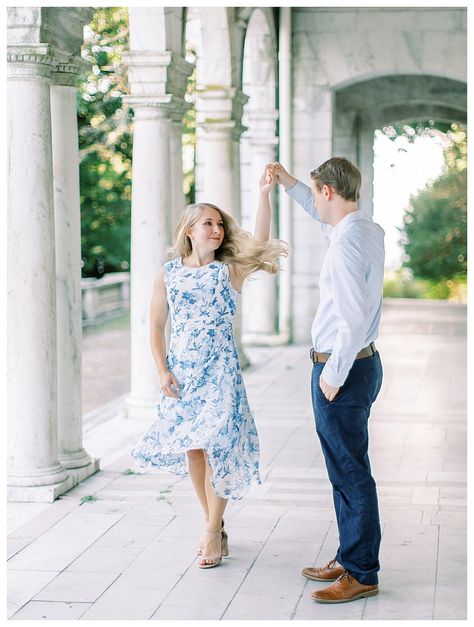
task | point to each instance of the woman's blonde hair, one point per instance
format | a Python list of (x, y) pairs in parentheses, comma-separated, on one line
[(238, 247)]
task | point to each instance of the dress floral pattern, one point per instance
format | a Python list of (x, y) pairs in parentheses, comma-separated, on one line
[(212, 412)]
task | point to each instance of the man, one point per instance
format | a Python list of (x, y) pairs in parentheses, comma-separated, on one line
[(347, 371)]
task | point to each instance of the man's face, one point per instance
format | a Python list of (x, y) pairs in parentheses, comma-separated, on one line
[(321, 202)]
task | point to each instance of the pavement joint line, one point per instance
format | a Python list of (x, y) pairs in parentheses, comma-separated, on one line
[(121, 573), (41, 534), (306, 583), (436, 573), (253, 562), (176, 583)]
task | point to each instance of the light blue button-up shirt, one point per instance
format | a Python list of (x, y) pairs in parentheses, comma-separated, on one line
[(350, 284)]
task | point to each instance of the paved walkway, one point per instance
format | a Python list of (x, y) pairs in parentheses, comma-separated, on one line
[(122, 546)]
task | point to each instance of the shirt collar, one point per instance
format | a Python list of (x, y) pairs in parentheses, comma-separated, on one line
[(341, 226)]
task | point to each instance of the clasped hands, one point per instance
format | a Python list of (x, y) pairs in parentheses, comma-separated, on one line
[(267, 180)]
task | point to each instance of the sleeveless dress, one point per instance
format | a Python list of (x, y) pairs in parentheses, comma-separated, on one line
[(212, 412)]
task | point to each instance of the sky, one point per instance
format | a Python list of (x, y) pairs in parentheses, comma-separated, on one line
[(401, 169)]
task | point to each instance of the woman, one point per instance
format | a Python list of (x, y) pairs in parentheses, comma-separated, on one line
[(205, 425)]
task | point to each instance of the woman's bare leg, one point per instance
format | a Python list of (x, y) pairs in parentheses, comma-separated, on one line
[(197, 469), (217, 505)]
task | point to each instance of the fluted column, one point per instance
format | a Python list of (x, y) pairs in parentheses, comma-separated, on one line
[(219, 128), (34, 472), (68, 268), (158, 81), (259, 311)]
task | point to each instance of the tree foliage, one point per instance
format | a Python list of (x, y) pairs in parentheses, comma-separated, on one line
[(105, 143), (434, 235)]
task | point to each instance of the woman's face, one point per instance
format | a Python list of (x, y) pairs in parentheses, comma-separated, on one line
[(208, 232)]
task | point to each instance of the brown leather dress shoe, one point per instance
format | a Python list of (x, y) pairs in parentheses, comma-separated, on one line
[(344, 589), (330, 572)]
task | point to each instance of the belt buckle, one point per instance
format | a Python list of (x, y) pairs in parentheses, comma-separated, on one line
[(312, 353)]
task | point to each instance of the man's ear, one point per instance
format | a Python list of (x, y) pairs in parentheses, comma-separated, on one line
[(328, 192)]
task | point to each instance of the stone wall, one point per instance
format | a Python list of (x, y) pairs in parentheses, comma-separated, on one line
[(353, 71)]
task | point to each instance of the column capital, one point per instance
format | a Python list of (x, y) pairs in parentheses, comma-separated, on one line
[(158, 80), (261, 126), (65, 73), (43, 60), (30, 60), (152, 107), (220, 109), (154, 73)]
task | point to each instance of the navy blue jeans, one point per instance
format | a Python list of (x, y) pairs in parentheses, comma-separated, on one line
[(342, 427)]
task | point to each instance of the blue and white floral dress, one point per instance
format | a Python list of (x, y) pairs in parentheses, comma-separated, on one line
[(212, 412)]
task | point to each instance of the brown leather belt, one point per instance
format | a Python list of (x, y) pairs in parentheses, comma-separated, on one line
[(321, 358)]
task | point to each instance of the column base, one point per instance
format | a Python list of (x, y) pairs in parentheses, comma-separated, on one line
[(140, 407), (243, 359), (78, 459), (49, 493)]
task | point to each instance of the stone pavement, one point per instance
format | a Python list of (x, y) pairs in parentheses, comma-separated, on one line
[(122, 545)]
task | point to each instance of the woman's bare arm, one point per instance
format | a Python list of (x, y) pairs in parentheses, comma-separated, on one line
[(158, 317)]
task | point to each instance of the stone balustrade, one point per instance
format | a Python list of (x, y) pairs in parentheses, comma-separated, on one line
[(105, 298)]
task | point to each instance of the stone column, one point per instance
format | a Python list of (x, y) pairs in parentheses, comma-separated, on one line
[(219, 115), (312, 145), (259, 295), (34, 472), (151, 75), (176, 166), (219, 128), (285, 82), (68, 268)]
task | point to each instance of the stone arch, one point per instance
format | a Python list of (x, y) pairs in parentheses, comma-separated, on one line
[(362, 107)]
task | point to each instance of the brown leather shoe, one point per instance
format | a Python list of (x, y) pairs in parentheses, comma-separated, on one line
[(344, 589), (330, 572)]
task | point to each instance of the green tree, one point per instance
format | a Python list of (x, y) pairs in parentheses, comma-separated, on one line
[(105, 143), (434, 235)]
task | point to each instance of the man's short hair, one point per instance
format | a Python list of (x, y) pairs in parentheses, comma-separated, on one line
[(342, 175)]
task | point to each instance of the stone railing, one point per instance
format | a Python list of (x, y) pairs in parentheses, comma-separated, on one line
[(105, 298)]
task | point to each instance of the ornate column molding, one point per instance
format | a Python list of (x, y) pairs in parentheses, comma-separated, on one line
[(65, 73), (157, 79), (220, 110), (261, 127), (30, 61)]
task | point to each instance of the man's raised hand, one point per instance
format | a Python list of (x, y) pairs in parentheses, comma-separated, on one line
[(282, 176)]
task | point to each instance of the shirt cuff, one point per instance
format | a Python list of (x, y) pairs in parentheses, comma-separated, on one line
[(332, 378)]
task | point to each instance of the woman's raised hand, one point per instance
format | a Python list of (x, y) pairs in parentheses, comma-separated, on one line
[(280, 174), (169, 385), (267, 180)]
